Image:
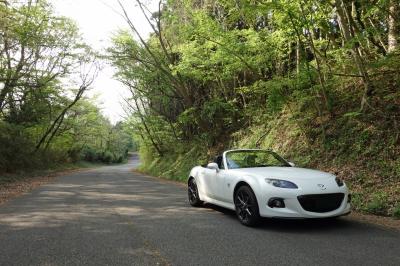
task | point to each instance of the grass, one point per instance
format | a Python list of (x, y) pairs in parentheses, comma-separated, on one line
[(363, 148), (175, 166), (361, 157), (378, 204), (396, 211)]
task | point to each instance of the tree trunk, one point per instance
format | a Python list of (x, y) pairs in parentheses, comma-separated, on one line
[(345, 25), (52, 130), (158, 149), (309, 36), (393, 27), (298, 57), (87, 80)]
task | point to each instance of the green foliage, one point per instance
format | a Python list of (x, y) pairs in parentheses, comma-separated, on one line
[(107, 157), (178, 163), (16, 147), (358, 201), (44, 118), (378, 203), (85, 135), (396, 211), (286, 75), (89, 154)]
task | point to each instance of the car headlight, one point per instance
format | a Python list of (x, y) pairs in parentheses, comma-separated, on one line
[(280, 183), (339, 182)]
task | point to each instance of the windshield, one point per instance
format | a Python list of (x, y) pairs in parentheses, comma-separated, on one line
[(253, 158)]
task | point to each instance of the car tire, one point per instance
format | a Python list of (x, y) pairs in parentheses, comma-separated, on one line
[(193, 193), (246, 206)]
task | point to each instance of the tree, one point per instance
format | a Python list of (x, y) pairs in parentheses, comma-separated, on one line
[(393, 25), (45, 70), (37, 49)]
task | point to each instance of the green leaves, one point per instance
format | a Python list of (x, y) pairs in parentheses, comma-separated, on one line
[(45, 68), (219, 71)]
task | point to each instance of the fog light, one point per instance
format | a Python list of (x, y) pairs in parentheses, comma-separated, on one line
[(276, 203), (349, 198)]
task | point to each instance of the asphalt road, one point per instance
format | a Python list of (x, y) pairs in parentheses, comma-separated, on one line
[(112, 216)]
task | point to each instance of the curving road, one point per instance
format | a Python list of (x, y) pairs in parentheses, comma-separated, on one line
[(113, 216)]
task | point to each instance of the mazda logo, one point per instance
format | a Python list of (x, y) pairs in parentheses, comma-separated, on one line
[(321, 186)]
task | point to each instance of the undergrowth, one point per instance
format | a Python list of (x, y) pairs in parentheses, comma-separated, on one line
[(361, 148)]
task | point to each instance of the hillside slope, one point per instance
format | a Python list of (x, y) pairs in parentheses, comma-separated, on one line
[(361, 148), (317, 81)]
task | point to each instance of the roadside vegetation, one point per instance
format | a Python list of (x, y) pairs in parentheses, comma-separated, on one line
[(46, 121), (317, 81)]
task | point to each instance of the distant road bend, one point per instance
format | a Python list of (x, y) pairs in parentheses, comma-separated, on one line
[(113, 216)]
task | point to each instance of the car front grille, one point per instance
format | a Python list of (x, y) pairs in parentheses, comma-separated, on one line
[(321, 202)]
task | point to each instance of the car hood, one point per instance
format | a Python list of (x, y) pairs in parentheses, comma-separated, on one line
[(287, 173)]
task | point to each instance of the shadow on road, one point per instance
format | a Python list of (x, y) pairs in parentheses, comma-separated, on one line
[(113, 216), (338, 224)]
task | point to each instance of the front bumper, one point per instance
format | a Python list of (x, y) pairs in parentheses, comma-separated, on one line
[(293, 208)]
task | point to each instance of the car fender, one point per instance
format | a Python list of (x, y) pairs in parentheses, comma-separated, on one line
[(194, 173), (255, 184)]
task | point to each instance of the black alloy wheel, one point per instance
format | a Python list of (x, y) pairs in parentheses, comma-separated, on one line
[(193, 193), (246, 206)]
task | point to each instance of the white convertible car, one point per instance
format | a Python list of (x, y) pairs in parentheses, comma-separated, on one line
[(260, 183)]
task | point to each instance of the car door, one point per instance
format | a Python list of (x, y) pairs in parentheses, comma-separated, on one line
[(221, 186), (227, 182), (215, 186), (208, 180)]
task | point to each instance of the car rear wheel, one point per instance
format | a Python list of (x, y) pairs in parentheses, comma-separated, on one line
[(246, 206), (193, 193)]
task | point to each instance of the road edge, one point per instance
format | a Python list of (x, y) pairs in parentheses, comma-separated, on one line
[(15, 189)]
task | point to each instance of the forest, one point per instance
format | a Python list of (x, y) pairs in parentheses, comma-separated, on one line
[(45, 70), (317, 81)]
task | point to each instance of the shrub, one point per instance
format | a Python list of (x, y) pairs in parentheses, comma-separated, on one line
[(16, 149), (378, 204), (74, 155), (90, 154), (107, 157), (119, 159), (396, 211), (357, 200)]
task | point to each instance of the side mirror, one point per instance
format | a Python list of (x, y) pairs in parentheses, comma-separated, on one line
[(292, 164), (213, 166)]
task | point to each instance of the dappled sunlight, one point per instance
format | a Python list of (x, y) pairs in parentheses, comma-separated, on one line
[(132, 198), (56, 193), (94, 198), (51, 218), (128, 210), (119, 196), (207, 83), (134, 216), (116, 193)]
